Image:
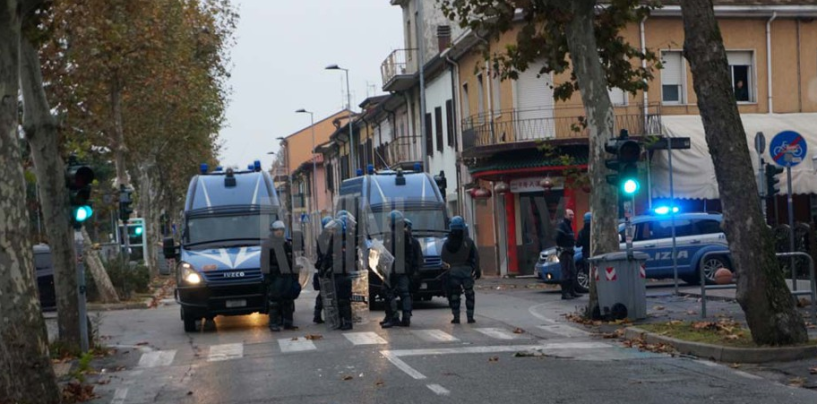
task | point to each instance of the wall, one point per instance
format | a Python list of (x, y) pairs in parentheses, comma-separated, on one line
[(437, 93), (300, 143)]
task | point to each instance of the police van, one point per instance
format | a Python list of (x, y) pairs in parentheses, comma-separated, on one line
[(371, 197), (695, 235), (227, 214)]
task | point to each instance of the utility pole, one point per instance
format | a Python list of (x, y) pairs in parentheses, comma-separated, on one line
[(419, 26)]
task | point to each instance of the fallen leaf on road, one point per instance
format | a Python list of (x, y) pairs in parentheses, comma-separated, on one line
[(348, 377), (813, 371), (692, 312), (675, 322), (119, 369), (658, 308), (797, 382), (103, 382), (294, 338), (141, 343), (735, 366), (379, 383), (493, 359), (803, 302), (518, 331), (609, 335), (313, 336), (74, 392), (189, 393)]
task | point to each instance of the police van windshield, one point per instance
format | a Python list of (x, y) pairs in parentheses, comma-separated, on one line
[(422, 220), (228, 230)]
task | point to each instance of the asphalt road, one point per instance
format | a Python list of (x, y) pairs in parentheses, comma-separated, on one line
[(241, 361)]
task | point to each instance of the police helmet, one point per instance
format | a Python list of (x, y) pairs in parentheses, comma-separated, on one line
[(394, 217), (325, 221), (408, 223), (278, 225), (587, 216), (457, 223)]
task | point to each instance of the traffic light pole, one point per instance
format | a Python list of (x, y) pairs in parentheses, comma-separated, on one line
[(672, 217), (788, 158), (763, 191), (83, 315)]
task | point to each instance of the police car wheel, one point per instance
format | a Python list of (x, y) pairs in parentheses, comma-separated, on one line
[(189, 322), (582, 279), (709, 267)]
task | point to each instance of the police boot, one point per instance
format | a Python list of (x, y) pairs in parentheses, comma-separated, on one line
[(456, 319), (573, 291), (274, 317), (566, 291), (317, 319), (471, 317), (345, 310), (406, 319)]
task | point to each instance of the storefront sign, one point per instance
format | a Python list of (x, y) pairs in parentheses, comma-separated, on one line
[(532, 184)]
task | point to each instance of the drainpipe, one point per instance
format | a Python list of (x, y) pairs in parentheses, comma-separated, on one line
[(646, 111), (455, 85), (769, 60), (799, 72)]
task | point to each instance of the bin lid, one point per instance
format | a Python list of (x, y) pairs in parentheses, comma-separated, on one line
[(620, 256)]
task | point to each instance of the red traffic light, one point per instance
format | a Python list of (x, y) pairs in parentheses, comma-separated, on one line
[(79, 176)]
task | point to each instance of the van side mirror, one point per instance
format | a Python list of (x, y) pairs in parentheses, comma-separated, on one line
[(169, 247)]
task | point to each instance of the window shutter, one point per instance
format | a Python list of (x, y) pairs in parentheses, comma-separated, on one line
[(438, 127), (672, 72), (739, 58), (449, 119), (428, 134)]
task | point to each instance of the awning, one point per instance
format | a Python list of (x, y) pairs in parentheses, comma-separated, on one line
[(694, 173)]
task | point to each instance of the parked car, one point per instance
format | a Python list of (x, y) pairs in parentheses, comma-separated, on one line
[(696, 234), (45, 276)]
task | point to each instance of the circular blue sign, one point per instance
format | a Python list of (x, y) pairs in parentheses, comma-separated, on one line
[(788, 143)]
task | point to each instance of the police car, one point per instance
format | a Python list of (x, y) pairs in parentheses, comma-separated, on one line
[(696, 234)]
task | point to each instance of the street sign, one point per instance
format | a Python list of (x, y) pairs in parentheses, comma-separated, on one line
[(788, 142), (678, 143), (760, 143)]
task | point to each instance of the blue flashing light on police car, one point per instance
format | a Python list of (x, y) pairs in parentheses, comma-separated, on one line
[(203, 168), (663, 210), (370, 169), (257, 165), (417, 167)]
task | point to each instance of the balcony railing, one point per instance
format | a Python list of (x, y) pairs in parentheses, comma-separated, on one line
[(398, 69), (403, 150), (512, 126)]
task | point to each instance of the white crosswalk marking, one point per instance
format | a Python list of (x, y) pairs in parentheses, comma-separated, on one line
[(225, 352), (498, 333), (364, 338), (119, 396), (296, 345), (434, 336), (440, 390), (156, 358), (564, 330)]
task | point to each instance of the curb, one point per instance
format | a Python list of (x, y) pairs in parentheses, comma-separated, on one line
[(708, 297), (721, 353), (119, 306)]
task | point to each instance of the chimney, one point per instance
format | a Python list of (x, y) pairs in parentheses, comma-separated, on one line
[(443, 37)]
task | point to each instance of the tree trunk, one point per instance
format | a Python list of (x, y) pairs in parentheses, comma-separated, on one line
[(41, 133), (147, 201), (762, 290), (107, 293), (586, 61), (26, 373), (120, 149)]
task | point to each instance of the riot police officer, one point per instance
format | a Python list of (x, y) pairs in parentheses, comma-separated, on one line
[(460, 255), (280, 277), (399, 244), (321, 247), (338, 263), (417, 249)]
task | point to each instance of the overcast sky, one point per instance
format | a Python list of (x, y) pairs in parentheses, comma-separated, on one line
[(278, 67)]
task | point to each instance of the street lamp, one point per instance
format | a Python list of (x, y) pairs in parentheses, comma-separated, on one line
[(349, 107), (291, 186), (314, 199)]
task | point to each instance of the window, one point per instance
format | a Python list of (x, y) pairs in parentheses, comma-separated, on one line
[(480, 96), (663, 229), (330, 177), (708, 226), (617, 96), (449, 120), (672, 78), (438, 127), (466, 104), (496, 92), (740, 68), (428, 136)]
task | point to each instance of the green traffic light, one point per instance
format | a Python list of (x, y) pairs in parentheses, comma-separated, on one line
[(630, 186), (138, 231), (82, 213)]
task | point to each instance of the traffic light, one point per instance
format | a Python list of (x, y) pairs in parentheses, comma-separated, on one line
[(627, 153), (125, 202), (772, 187), (79, 178)]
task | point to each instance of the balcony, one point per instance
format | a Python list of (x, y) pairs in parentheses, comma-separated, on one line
[(398, 70), (517, 126), (403, 150)]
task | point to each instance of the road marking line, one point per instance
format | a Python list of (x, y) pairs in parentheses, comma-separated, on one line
[(500, 349), (402, 365), (532, 311), (296, 345), (497, 333), (440, 390), (156, 359), (564, 330), (364, 338), (747, 375), (119, 396), (225, 352), (434, 336)]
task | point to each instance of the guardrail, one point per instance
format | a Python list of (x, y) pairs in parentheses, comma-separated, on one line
[(812, 292)]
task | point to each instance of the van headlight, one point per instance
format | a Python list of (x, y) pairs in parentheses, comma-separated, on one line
[(189, 275), (553, 258)]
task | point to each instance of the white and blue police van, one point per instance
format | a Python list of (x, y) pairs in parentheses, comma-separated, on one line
[(227, 214), (371, 197), (695, 235)]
